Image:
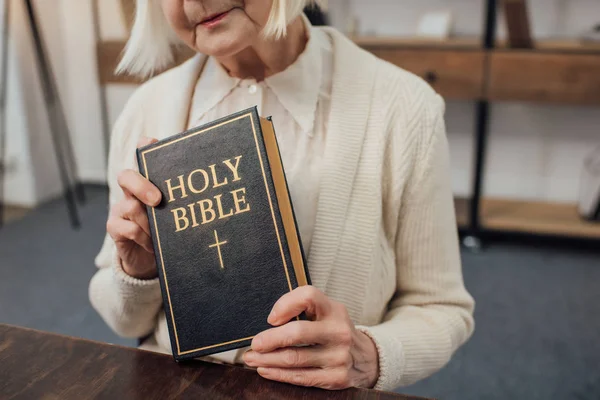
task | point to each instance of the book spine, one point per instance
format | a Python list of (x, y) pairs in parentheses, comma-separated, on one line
[(284, 200), (287, 189)]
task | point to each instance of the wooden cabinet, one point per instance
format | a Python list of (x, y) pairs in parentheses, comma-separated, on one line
[(455, 74), (544, 77)]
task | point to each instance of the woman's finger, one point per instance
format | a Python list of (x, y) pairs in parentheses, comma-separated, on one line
[(306, 299), (134, 184), (145, 141), (300, 357), (121, 229), (296, 333), (133, 210), (332, 379)]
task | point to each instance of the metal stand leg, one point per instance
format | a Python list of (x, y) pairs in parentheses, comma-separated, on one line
[(3, 93), (68, 150), (62, 145), (103, 100), (473, 241)]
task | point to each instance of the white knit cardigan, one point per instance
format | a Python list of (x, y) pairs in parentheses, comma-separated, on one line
[(385, 240)]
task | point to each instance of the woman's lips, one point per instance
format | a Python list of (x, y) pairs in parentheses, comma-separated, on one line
[(214, 20)]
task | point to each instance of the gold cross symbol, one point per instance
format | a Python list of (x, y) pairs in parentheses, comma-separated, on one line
[(218, 246)]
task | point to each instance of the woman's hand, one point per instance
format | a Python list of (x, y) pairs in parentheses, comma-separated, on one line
[(334, 355), (128, 222)]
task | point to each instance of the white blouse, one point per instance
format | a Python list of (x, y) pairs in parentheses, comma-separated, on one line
[(298, 99)]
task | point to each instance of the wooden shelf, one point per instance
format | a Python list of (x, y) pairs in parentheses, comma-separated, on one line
[(456, 68), (467, 43), (536, 217), (109, 55), (13, 213), (472, 43), (556, 46), (453, 74), (528, 217)]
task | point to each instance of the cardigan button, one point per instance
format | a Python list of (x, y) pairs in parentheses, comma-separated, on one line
[(252, 89)]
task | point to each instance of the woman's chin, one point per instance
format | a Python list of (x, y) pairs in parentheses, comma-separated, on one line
[(224, 42), (222, 50)]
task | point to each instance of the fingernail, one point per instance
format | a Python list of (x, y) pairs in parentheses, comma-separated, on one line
[(272, 318), (256, 343), (263, 371), (152, 197), (249, 358)]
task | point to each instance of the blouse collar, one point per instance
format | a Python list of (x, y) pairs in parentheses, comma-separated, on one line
[(297, 87)]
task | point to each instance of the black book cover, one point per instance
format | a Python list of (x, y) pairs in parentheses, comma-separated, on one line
[(225, 236)]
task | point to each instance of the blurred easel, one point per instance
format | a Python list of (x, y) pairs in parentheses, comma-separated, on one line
[(61, 140)]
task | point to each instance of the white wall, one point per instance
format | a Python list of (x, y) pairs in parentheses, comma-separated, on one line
[(84, 92), (19, 182), (32, 173), (535, 151)]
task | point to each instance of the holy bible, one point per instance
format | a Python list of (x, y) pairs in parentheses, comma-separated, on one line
[(225, 236)]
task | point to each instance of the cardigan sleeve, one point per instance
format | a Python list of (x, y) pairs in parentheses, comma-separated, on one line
[(431, 313), (129, 306)]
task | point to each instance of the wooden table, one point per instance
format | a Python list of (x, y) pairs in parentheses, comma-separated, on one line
[(38, 365)]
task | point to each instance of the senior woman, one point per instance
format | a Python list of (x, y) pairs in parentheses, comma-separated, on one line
[(364, 148)]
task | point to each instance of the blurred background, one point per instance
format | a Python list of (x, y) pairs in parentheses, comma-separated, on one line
[(522, 84)]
